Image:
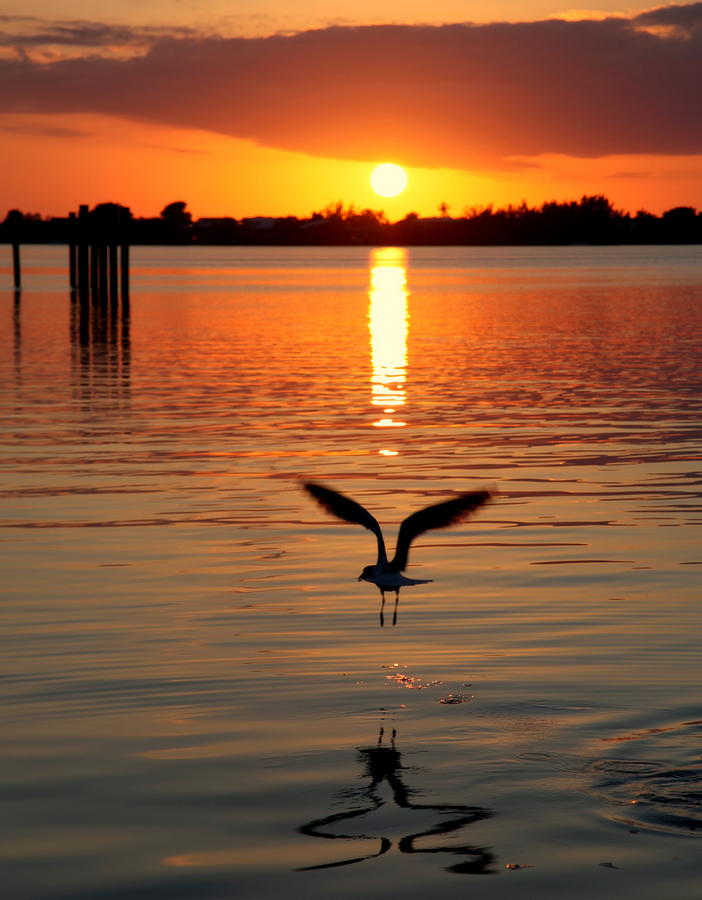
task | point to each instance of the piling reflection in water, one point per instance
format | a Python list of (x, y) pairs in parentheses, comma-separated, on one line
[(100, 347), (388, 323), (382, 765), (17, 337)]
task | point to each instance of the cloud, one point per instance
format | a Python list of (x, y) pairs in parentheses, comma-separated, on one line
[(686, 16), (80, 34), (42, 129), (41, 40), (634, 175), (465, 96), (187, 150), (672, 21), (576, 15)]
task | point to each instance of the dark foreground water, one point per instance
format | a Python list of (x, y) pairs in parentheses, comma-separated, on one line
[(199, 700)]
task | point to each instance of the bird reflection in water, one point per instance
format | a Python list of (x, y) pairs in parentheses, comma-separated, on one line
[(382, 766), (388, 324)]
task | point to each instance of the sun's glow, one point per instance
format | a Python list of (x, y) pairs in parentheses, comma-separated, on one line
[(388, 179)]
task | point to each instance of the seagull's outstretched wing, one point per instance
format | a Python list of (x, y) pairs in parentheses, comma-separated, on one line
[(348, 510), (441, 515)]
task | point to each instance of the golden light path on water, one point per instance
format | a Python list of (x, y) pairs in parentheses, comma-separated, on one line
[(388, 323)]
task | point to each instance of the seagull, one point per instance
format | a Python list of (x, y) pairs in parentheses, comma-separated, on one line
[(387, 575)]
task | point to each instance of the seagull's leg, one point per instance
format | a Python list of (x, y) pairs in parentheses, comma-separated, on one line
[(382, 604), (394, 612)]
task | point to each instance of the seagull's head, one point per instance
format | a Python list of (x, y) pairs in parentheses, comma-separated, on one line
[(368, 574)]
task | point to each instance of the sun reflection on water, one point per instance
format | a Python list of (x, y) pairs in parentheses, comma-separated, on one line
[(388, 323)]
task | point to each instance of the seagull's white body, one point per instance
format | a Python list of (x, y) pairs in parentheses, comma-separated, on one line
[(387, 574), (393, 580)]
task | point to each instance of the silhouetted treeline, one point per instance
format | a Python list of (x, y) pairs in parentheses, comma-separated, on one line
[(590, 220)]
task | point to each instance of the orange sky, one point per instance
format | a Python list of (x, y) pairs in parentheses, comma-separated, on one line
[(238, 118)]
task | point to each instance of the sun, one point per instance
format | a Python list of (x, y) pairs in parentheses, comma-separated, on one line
[(388, 180)]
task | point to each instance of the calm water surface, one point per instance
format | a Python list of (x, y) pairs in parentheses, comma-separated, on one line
[(198, 698)]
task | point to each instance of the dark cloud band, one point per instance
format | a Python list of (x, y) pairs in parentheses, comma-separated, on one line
[(470, 96)]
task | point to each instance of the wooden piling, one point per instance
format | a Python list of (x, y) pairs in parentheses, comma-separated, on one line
[(114, 273), (94, 268), (124, 276), (73, 267), (102, 271), (16, 267), (83, 254), (98, 259), (73, 254)]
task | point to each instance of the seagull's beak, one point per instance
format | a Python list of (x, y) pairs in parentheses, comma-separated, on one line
[(360, 577)]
